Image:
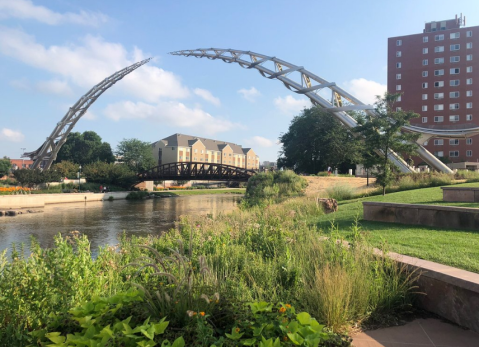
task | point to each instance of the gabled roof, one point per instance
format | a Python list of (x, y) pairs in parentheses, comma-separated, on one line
[(181, 140)]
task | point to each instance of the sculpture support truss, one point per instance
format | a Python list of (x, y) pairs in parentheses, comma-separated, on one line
[(47, 153), (327, 95)]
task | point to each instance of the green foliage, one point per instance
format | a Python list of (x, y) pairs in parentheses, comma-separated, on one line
[(315, 140), (470, 176), (181, 182), (340, 192), (137, 195), (66, 168), (273, 186), (31, 178), (85, 148), (136, 154), (382, 132), (5, 166), (107, 174)]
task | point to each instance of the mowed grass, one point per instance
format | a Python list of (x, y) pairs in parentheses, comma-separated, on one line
[(458, 248)]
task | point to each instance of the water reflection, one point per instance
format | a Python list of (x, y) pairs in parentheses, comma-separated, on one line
[(102, 222)]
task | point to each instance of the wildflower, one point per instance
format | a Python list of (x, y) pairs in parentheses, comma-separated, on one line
[(194, 313), (190, 313), (202, 314), (288, 306), (237, 330), (285, 338), (282, 310)]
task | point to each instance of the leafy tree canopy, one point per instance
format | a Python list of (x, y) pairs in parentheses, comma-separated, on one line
[(315, 140), (85, 148), (30, 178), (5, 166), (104, 173), (382, 133), (136, 154), (66, 168)]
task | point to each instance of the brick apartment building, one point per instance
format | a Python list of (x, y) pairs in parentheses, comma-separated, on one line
[(186, 148), (437, 72)]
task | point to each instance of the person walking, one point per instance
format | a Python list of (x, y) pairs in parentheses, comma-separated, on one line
[(329, 170), (101, 189)]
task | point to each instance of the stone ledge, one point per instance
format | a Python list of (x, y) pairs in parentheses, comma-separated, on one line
[(460, 188), (460, 194)]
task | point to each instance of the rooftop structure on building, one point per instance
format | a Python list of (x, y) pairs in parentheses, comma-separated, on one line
[(437, 74)]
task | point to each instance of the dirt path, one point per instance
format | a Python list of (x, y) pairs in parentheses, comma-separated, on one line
[(318, 185)]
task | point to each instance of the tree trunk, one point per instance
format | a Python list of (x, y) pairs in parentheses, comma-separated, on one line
[(384, 190), (367, 177)]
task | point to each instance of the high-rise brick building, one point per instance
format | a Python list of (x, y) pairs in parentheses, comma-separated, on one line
[(437, 72)]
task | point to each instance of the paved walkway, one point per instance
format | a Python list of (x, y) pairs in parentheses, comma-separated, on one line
[(418, 333)]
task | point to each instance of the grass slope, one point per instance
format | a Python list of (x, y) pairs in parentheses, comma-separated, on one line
[(446, 246)]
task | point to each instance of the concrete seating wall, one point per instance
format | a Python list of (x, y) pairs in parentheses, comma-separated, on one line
[(460, 194), (427, 215)]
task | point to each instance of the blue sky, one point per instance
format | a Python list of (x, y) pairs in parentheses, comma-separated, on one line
[(52, 52)]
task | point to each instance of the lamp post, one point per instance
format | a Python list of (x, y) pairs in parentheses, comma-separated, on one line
[(79, 175), (23, 151)]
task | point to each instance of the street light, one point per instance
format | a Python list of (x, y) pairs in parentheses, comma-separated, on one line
[(23, 151), (79, 174)]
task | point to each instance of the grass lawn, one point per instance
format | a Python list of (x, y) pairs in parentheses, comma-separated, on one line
[(202, 191), (446, 246)]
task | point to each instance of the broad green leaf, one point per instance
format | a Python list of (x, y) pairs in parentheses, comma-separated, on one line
[(179, 342), (304, 318), (161, 327), (56, 338), (295, 338), (248, 342)]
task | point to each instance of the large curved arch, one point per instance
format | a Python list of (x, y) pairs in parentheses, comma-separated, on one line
[(47, 153), (338, 101)]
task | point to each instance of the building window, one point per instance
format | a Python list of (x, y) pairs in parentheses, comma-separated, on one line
[(424, 74), (399, 98), (469, 81), (439, 154), (454, 118), (468, 153), (425, 50), (187, 158), (439, 84), (469, 105), (424, 107), (469, 57), (454, 106), (424, 86), (454, 36), (454, 153), (172, 148), (202, 151), (438, 60), (398, 76), (469, 33), (398, 54), (438, 96), (398, 109), (454, 71), (439, 49), (424, 96), (439, 72), (398, 87), (469, 69), (439, 38), (469, 141), (398, 65), (455, 59), (454, 83), (424, 62), (469, 45), (468, 116), (438, 119), (438, 142), (469, 93), (455, 47), (196, 151), (424, 119), (425, 39), (398, 42), (453, 94), (439, 107), (187, 149)]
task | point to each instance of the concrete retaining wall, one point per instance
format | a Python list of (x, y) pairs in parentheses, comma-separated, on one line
[(9, 202), (460, 194), (427, 215)]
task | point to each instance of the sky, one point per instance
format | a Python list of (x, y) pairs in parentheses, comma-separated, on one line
[(52, 52)]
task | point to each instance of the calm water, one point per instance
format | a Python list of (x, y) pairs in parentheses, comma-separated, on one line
[(102, 222)]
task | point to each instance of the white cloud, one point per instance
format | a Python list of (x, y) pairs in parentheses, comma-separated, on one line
[(54, 87), (365, 90), (291, 106), (89, 115), (89, 62), (259, 141), (11, 135), (172, 113), (25, 9), (250, 94), (206, 95), (21, 84)]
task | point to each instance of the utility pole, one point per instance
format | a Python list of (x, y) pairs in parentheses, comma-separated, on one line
[(23, 151)]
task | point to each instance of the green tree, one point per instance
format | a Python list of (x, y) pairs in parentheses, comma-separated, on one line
[(315, 140), (85, 148), (108, 173), (382, 133), (66, 168), (5, 166), (137, 154), (31, 178)]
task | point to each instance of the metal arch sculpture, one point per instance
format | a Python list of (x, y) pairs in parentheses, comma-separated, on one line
[(49, 150), (196, 171), (312, 85)]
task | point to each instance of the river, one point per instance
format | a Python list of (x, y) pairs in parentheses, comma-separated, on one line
[(104, 221)]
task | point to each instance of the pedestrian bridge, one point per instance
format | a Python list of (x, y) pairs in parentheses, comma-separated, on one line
[(196, 171)]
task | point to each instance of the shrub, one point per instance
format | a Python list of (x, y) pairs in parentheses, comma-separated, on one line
[(470, 176), (340, 192), (110, 174), (140, 195)]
